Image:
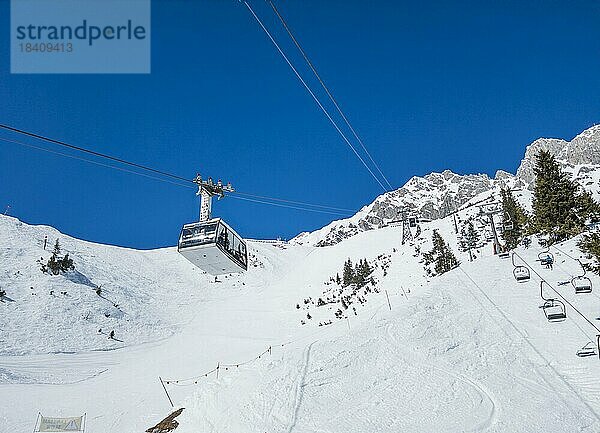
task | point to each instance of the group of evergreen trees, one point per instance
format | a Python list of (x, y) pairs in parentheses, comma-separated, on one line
[(57, 263), (561, 209), (359, 275), (441, 256)]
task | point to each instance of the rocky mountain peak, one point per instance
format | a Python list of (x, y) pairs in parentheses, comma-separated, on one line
[(436, 195)]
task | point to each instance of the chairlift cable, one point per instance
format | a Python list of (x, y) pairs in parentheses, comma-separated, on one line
[(331, 97), (178, 179), (316, 99)]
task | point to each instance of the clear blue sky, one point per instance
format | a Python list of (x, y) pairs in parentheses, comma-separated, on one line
[(458, 85)]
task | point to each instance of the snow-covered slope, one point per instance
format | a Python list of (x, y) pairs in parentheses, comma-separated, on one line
[(469, 351), (438, 194), (145, 295)]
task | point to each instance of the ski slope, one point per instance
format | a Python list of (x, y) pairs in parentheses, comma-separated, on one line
[(467, 351)]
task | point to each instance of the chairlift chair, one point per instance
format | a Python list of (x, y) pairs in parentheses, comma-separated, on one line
[(508, 224), (521, 274), (555, 310), (581, 283), (588, 350), (546, 258)]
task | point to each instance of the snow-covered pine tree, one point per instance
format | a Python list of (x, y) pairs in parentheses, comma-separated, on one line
[(559, 210), (441, 256), (590, 244), (513, 214), (469, 238), (589, 209), (362, 272), (54, 261), (348, 273)]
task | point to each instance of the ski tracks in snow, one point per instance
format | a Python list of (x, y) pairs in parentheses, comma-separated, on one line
[(486, 399), (299, 395)]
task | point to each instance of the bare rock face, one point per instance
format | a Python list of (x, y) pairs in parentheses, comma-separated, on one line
[(168, 424), (583, 149), (436, 195)]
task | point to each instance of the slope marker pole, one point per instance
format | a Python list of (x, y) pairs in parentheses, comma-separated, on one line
[(388, 299), (165, 388)]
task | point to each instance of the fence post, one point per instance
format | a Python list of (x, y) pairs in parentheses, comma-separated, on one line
[(165, 388)]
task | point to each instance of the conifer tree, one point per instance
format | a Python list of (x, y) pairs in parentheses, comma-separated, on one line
[(590, 244), (513, 215), (441, 256), (362, 272), (54, 264), (469, 238), (559, 210), (347, 274)]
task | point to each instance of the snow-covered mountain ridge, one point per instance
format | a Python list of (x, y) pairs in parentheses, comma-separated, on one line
[(436, 195)]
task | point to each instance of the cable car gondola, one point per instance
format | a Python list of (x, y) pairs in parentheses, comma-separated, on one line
[(214, 247), (581, 283), (211, 244), (520, 272)]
